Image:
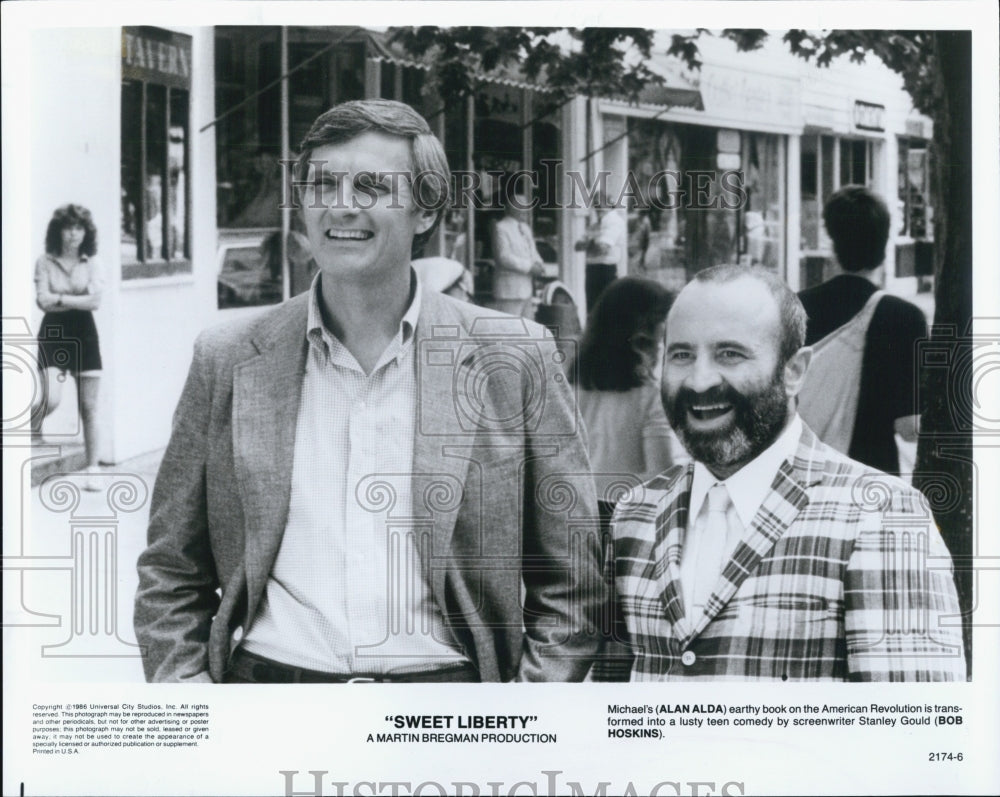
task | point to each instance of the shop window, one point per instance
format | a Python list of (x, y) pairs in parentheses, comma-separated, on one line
[(826, 164), (762, 238), (155, 136), (250, 178), (657, 243), (695, 220), (498, 150), (855, 162), (914, 185), (546, 135), (456, 222)]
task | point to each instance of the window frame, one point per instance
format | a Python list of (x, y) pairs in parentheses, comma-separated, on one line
[(157, 57)]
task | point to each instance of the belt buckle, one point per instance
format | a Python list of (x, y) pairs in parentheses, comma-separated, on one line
[(361, 679)]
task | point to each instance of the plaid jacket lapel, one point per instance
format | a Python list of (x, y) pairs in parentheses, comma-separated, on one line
[(787, 497), (671, 526)]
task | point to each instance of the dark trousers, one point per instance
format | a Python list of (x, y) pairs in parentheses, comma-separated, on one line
[(597, 277)]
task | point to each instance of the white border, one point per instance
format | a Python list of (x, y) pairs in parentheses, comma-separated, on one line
[(260, 730)]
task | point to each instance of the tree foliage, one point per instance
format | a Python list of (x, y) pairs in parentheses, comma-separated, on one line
[(567, 62)]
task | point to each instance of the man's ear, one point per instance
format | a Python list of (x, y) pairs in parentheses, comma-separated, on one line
[(425, 220), (796, 369)]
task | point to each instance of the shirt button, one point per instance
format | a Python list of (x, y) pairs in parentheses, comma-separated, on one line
[(238, 634), (688, 658)]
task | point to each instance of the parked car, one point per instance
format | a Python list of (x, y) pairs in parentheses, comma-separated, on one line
[(249, 268)]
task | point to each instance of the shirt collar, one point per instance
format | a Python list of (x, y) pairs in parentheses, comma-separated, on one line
[(80, 259), (748, 487), (322, 338)]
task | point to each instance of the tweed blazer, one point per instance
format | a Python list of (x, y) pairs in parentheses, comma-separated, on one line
[(842, 575), (502, 494)]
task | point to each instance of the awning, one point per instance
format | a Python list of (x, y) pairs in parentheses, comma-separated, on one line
[(672, 96), (679, 89), (392, 53)]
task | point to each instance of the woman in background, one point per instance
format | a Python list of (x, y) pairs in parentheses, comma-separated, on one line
[(68, 288), (617, 374)]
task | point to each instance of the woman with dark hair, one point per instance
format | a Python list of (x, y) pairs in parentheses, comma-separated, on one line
[(617, 374), (68, 288)]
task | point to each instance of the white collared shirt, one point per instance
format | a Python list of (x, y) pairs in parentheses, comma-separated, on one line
[(347, 593), (747, 489)]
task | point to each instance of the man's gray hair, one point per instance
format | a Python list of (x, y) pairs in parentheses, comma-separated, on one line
[(790, 309)]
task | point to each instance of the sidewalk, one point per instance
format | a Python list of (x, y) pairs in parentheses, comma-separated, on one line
[(70, 577)]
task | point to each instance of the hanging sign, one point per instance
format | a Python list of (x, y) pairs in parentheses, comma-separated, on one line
[(156, 55)]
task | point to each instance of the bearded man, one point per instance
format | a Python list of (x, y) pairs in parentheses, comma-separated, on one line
[(770, 556)]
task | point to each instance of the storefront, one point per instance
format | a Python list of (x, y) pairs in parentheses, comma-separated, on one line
[(175, 139), (794, 134), (259, 120)]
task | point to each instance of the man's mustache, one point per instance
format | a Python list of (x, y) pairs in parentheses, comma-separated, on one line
[(719, 394)]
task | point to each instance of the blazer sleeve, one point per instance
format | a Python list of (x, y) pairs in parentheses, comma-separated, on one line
[(615, 661), (901, 616), (177, 595), (561, 565)]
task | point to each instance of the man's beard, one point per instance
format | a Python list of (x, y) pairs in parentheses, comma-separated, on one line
[(757, 420)]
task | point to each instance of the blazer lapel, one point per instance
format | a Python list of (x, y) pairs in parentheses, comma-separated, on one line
[(670, 534), (787, 497), (266, 394), (441, 446)]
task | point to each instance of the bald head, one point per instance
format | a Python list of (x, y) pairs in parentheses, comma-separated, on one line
[(791, 314), (734, 364)]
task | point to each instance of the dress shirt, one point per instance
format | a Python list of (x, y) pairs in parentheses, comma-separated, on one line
[(747, 489), (348, 593), (611, 230)]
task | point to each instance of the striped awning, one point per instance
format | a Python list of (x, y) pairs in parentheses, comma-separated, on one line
[(389, 52), (670, 94)]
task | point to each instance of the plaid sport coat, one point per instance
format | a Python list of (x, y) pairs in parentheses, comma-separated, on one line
[(842, 575)]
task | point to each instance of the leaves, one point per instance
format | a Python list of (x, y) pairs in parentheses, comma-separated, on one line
[(612, 62), (567, 62)]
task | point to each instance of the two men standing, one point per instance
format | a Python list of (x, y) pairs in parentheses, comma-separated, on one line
[(374, 482)]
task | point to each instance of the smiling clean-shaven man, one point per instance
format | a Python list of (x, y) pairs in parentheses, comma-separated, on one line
[(771, 556), (355, 486)]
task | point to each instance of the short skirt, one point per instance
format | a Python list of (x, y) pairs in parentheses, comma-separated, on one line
[(68, 341)]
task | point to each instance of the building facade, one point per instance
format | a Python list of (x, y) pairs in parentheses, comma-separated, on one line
[(795, 133), (178, 137)]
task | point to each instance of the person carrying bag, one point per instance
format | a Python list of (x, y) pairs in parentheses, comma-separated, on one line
[(829, 400)]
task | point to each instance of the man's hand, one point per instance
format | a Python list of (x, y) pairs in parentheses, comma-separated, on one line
[(598, 249)]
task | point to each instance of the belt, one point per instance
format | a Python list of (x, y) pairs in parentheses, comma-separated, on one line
[(251, 668)]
